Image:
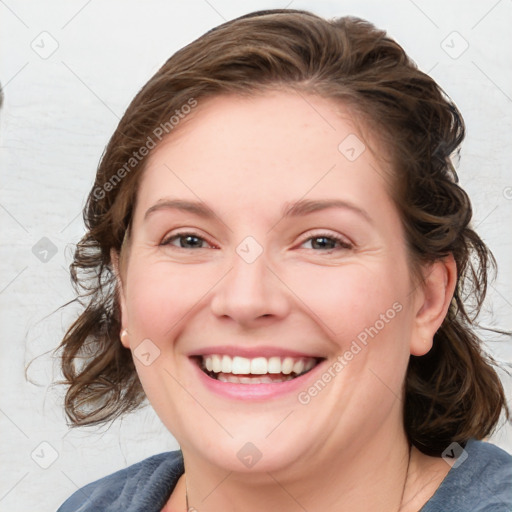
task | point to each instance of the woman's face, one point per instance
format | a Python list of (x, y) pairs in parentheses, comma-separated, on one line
[(264, 244)]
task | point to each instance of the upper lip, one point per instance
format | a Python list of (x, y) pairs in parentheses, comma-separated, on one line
[(250, 352)]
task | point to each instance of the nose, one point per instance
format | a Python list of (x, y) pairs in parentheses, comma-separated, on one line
[(250, 293)]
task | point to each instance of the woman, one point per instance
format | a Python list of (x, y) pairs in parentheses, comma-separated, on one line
[(278, 256)]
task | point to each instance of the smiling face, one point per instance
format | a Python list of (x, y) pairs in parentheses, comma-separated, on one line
[(267, 295)]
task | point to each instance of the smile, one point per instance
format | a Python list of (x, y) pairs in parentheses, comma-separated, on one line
[(257, 370)]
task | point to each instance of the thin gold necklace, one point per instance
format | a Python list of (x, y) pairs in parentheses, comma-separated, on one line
[(406, 478), (399, 506), (186, 494)]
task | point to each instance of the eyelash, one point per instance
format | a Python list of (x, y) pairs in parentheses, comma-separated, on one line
[(344, 245)]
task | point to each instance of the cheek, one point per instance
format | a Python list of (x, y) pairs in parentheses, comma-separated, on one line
[(161, 296), (348, 301)]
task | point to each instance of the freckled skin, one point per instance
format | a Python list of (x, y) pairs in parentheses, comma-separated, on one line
[(247, 159)]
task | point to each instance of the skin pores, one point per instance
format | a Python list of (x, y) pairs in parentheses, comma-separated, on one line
[(289, 287)]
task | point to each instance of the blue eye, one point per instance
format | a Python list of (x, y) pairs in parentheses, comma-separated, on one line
[(327, 242), (186, 241), (321, 242)]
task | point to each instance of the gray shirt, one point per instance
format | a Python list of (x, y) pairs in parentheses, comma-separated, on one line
[(481, 482)]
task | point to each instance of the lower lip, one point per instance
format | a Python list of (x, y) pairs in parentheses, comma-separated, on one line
[(261, 391)]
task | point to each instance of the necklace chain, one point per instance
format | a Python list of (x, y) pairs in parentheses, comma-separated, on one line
[(406, 478), (186, 492), (401, 499)]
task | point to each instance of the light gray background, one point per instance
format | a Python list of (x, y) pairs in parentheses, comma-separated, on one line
[(59, 112)]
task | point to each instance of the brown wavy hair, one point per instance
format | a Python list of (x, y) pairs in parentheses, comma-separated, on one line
[(451, 394)]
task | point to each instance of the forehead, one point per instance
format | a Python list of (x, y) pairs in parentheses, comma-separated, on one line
[(249, 152)]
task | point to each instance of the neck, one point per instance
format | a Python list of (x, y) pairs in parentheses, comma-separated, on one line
[(368, 477)]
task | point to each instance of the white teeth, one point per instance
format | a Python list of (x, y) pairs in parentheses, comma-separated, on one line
[(216, 363), (298, 367), (257, 366), (240, 365), (274, 365), (226, 364), (287, 366), (309, 364), (235, 379)]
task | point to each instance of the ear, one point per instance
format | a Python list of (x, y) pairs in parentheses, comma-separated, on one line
[(433, 300), (114, 257)]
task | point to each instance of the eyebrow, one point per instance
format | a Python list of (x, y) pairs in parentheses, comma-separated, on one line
[(298, 208), (195, 207), (306, 206)]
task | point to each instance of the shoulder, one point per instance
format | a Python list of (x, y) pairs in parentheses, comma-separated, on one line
[(140, 487), (480, 480)]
